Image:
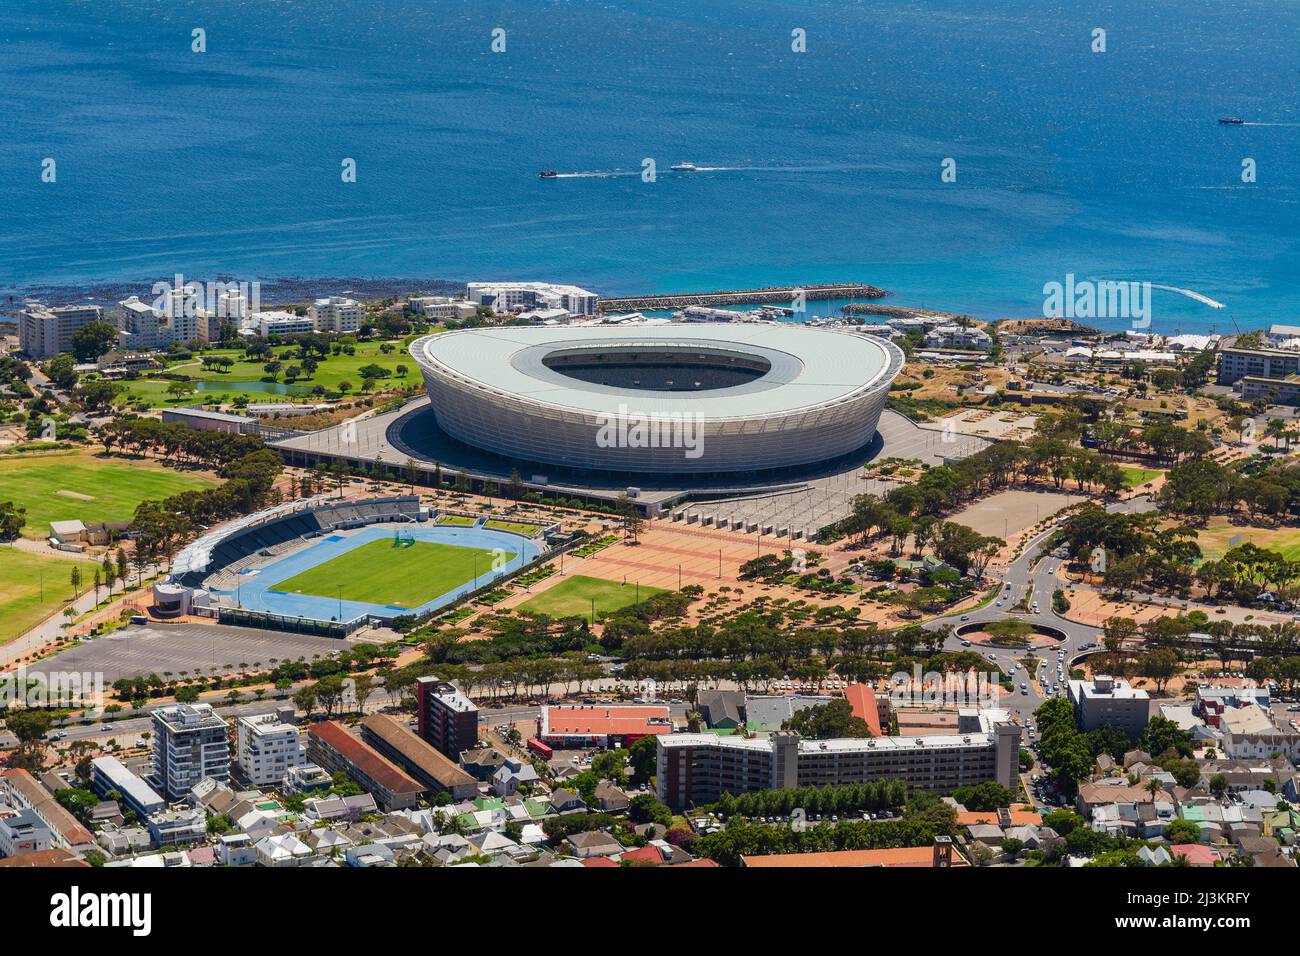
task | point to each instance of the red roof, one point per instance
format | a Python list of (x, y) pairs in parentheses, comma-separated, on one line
[(645, 854), (598, 861), (1198, 854), (862, 701), (599, 720), (366, 759)]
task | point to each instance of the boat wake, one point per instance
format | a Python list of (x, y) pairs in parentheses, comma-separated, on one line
[(1191, 295)]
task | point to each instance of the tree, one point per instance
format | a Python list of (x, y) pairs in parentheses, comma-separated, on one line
[(642, 757), (12, 519), (1183, 831), (92, 340), (827, 722)]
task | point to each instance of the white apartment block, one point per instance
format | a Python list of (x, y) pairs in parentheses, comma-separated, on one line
[(267, 748), (141, 323), (336, 314), (44, 332), (277, 322), (523, 296)]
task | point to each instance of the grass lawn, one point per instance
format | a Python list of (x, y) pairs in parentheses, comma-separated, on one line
[(246, 378), (518, 527), (21, 574), (572, 598), (455, 520), (78, 485), (380, 573), (1134, 477), (1220, 537)]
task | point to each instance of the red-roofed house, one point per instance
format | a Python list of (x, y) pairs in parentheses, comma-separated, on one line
[(598, 861), (1198, 854), (862, 701), (643, 856)]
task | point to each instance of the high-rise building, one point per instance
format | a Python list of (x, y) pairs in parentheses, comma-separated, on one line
[(190, 742), (44, 332), (267, 748), (445, 717), (141, 322)]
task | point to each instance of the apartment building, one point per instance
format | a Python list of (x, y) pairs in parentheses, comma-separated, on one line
[(1110, 701), (330, 746), (140, 323), (445, 717), (1238, 363), (24, 792), (267, 748), (695, 769), (441, 308), (522, 296), (437, 772), (190, 742), (44, 332), (337, 314)]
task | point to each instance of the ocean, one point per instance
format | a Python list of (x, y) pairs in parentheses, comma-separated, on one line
[(826, 164)]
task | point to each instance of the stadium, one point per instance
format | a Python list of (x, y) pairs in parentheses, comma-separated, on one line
[(333, 566), (656, 400)]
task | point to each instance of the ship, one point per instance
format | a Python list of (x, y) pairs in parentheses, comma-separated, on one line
[(1232, 121), (548, 174), (683, 167)]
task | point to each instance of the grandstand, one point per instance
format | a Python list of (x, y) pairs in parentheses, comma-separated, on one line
[(240, 566)]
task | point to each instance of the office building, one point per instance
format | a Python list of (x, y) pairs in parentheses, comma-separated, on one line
[(266, 749), (24, 832), (110, 775), (44, 332), (445, 717), (190, 742)]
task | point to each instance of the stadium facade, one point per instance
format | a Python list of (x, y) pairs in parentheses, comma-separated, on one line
[(668, 399)]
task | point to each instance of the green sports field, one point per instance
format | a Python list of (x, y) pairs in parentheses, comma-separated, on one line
[(1133, 476), (380, 573), (573, 597), (1219, 536), (21, 576), (81, 486)]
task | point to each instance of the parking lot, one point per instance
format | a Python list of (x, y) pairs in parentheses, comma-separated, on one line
[(175, 648)]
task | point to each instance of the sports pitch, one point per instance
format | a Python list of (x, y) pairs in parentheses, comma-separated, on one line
[(384, 572), (574, 597), (78, 485)]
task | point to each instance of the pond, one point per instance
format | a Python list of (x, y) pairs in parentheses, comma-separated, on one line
[(270, 388)]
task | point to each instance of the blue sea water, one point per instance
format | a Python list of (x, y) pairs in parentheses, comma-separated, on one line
[(1104, 165)]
